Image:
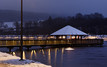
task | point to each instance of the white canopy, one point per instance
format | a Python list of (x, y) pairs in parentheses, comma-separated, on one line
[(68, 30)]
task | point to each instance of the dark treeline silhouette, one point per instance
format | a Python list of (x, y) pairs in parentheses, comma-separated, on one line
[(91, 24)]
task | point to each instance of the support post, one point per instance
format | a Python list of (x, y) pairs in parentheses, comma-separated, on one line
[(75, 37), (78, 37), (81, 37)]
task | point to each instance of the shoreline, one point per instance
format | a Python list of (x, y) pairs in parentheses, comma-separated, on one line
[(7, 60)]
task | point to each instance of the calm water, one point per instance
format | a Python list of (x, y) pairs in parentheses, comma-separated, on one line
[(72, 57)]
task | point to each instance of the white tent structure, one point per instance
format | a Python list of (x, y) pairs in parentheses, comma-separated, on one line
[(69, 30)]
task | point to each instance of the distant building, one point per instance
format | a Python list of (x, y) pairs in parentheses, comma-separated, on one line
[(9, 24)]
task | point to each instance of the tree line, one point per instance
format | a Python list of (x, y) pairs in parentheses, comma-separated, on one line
[(91, 23)]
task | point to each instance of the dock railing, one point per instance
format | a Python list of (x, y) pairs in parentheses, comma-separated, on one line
[(50, 42)]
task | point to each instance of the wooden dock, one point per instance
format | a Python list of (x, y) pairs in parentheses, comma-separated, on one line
[(10, 44), (52, 42)]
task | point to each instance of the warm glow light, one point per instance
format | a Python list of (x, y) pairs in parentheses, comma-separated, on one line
[(91, 37), (63, 37), (73, 37), (55, 53), (15, 37), (60, 37), (14, 54), (34, 52), (49, 56), (105, 38), (51, 37), (31, 37), (24, 37), (69, 48), (7, 37), (49, 52), (1, 37), (62, 50), (62, 55), (31, 54), (43, 52), (39, 38), (24, 56)]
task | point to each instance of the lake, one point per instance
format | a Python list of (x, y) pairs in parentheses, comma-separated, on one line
[(66, 56)]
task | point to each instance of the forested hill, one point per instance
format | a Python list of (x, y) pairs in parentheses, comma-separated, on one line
[(91, 24), (12, 15)]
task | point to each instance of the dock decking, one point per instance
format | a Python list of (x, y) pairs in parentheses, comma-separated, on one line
[(58, 43), (52, 42)]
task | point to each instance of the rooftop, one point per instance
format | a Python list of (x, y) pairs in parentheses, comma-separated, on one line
[(68, 30)]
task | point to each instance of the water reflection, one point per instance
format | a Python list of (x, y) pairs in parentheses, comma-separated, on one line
[(49, 56), (35, 52), (62, 55), (43, 52), (55, 56), (69, 48), (24, 56), (31, 54)]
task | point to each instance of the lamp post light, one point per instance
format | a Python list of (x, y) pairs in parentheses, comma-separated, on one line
[(21, 33)]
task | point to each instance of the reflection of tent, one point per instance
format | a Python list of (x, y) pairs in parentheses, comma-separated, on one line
[(68, 30)]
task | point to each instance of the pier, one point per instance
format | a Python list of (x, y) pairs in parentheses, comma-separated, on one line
[(51, 42), (67, 36), (58, 41)]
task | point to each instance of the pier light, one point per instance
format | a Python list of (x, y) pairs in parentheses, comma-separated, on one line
[(31, 38), (24, 37), (7, 37), (51, 37), (60, 37), (73, 37), (91, 37), (64, 37), (14, 54), (16, 37), (39, 38), (1, 37)]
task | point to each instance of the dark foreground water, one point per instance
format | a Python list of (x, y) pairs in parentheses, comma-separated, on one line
[(69, 57)]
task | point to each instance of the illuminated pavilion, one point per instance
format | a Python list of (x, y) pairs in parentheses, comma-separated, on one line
[(69, 32)]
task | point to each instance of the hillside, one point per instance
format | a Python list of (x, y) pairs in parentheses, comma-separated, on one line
[(12, 15)]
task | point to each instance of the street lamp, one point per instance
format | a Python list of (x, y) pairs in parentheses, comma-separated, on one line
[(21, 40)]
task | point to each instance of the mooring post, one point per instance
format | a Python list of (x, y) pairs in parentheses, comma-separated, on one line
[(9, 49)]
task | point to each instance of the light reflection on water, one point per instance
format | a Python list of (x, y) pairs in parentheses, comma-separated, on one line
[(69, 48), (48, 55), (24, 56), (60, 57)]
